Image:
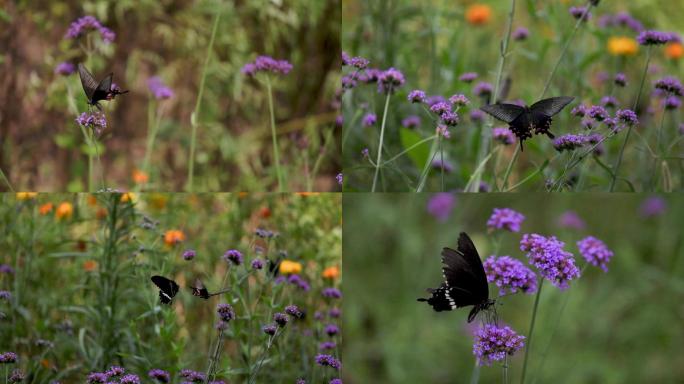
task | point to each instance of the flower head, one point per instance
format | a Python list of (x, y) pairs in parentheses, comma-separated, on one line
[(269, 329), (652, 37), (672, 102), (158, 88), (17, 376), (65, 68), (468, 77), (333, 293), (281, 319), (442, 131), (459, 100), (674, 50), (293, 311), (115, 370), (359, 63), (580, 13), (670, 85), (622, 46), (620, 79), (159, 375), (478, 14), (369, 120), (503, 135), (332, 330), (510, 274), (653, 206), (505, 218), (8, 358), (64, 210), (189, 254), (193, 376), (257, 264), (440, 205), (93, 120), (339, 178), (328, 361), (89, 23), (173, 237), (130, 379), (327, 345), (225, 312), (440, 107), (477, 115), (5, 295), (571, 220), (417, 96), (595, 252), (548, 256), (442, 164), (96, 377), (483, 89), (390, 80), (234, 256), (597, 113), (627, 116), (493, 343), (267, 64), (411, 121), (521, 33), (569, 142)]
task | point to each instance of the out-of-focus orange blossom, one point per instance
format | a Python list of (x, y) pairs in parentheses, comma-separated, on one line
[(264, 212), (64, 211), (331, 273), (45, 209), (174, 236), (622, 46), (478, 14), (89, 265), (26, 195), (92, 200), (306, 194), (128, 197), (140, 177), (101, 213), (288, 267), (674, 50)]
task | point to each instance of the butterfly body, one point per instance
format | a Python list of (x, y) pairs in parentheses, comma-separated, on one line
[(465, 282), (528, 120), (167, 288), (95, 92), (201, 291)]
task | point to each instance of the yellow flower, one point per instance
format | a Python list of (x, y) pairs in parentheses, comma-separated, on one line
[(288, 267), (64, 210), (45, 209), (331, 273), (128, 197), (478, 14), (26, 195), (674, 51), (174, 236), (622, 46), (140, 177)]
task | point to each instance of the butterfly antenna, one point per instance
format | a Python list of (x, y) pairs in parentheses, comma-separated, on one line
[(220, 292)]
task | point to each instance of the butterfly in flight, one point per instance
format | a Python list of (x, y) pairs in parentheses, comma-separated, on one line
[(464, 283), (524, 121), (97, 91), (167, 288), (200, 290)]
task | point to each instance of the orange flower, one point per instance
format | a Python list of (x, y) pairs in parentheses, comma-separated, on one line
[(26, 195), (45, 363), (89, 265), (64, 210), (331, 273), (674, 51), (478, 14), (174, 236), (158, 200), (306, 194), (264, 212), (622, 46), (101, 213), (128, 197), (45, 209), (92, 200), (288, 267), (140, 177)]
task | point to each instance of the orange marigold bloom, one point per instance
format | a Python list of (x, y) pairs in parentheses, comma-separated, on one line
[(26, 195), (64, 210), (140, 177), (674, 50), (331, 273), (128, 196), (45, 209), (174, 236), (101, 213), (264, 212), (478, 14), (89, 265), (92, 200), (288, 267), (622, 46)]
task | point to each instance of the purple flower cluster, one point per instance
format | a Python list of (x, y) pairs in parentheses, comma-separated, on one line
[(332, 293), (621, 19), (328, 361), (483, 89), (597, 113), (369, 120), (293, 311), (569, 142), (510, 274), (5, 268), (459, 100), (440, 107), (159, 375), (339, 178), (17, 376), (332, 330), (295, 280), (193, 376), (652, 37), (95, 121), (670, 85), (580, 12), (521, 33), (266, 64), (8, 358), (548, 256), (503, 135), (270, 329), (390, 80), (417, 96), (672, 103), (505, 218), (65, 68), (130, 379), (570, 220), (257, 264), (653, 206), (87, 23), (411, 121), (326, 345), (493, 343), (234, 256), (468, 77), (627, 116), (115, 371), (440, 205), (442, 164), (442, 131), (97, 377), (609, 101), (225, 312), (5, 295), (158, 88), (620, 79), (595, 252), (189, 254)]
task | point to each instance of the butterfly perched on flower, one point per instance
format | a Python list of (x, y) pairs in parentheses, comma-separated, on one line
[(465, 282), (167, 288), (525, 121), (97, 91)]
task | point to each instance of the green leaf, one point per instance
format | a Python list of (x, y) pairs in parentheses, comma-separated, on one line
[(418, 155)]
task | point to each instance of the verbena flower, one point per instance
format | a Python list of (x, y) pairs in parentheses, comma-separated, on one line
[(158, 88), (579, 111), (440, 205), (335, 381), (411, 121), (609, 101), (442, 164), (620, 79), (328, 361), (8, 358), (293, 311), (114, 371), (359, 63), (548, 256), (571, 220), (627, 116), (349, 81), (568, 142), (443, 131), (450, 118), (17, 376), (326, 345), (269, 329), (672, 103), (597, 113), (335, 313), (521, 33), (5, 295), (621, 19), (193, 376), (234, 256), (333, 293), (65, 68), (299, 282), (130, 379), (483, 89), (390, 80), (339, 178), (266, 64), (580, 12), (369, 120), (670, 85), (653, 206), (365, 153), (417, 96), (345, 58), (225, 312), (434, 99), (510, 275), (468, 77), (654, 37), (477, 115), (97, 377), (95, 121), (493, 343), (595, 252), (440, 107), (189, 254), (257, 264), (459, 100), (503, 135), (332, 330), (505, 218), (89, 23), (159, 375), (4, 268), (281, 319)]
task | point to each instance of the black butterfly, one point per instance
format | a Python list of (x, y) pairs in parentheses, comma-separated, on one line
[(200, 290), (274, 265), (524, 121), (167, 288), (464, 283), (97, 91)]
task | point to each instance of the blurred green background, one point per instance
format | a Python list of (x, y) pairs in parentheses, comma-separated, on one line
[(623, 326), (432, 44), (169, 39)]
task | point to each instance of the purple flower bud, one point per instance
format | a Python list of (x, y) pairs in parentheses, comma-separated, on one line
[(189, 254), (416, 96), (234, 256), (159, 375), (369, 120), (411, 121), (269, 329), (257, 264), (225, 312), (440, 205), (595, 252), (65, 68), (503, 135), (520, 34), (468, 77), (505, 218)]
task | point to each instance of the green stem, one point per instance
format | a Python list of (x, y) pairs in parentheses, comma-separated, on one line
[(151, 137), (6, 180), (441, 159), (274, 135), (426, 168), (504, 185), (408, 149), (529, 334), (382, 137), (195, 113), (505, 370), (616, 168)]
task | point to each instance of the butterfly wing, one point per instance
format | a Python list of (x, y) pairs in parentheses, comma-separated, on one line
[(274, 265), (472, 257), (552, 105), (200, 290), (167, 288), (504, 112), (103, 89), (87, 81)]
